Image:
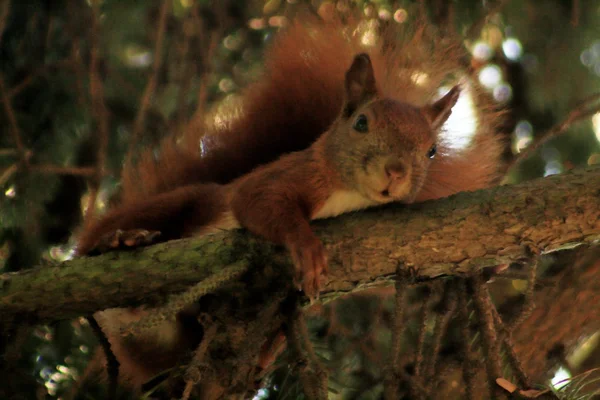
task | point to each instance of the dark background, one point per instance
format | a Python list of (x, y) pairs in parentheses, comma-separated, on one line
[(539, 57)]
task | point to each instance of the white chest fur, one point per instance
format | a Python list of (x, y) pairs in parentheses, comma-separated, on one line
[(343, 201), (340, 202)]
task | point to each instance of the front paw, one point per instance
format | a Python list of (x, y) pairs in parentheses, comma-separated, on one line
[(310, 261), (120, 239)]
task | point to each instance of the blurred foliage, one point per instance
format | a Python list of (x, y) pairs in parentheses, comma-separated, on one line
[(547, 53)]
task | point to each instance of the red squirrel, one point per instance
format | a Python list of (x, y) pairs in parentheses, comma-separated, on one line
[(344, 118)]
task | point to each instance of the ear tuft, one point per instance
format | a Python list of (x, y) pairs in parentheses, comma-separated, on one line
[(438, 112), (359, 84)]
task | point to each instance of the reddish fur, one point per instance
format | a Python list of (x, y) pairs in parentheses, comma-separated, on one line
[(298, 98), (282, 197), (294, 103)]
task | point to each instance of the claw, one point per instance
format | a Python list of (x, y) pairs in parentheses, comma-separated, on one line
[(311, 264), (125, 238)]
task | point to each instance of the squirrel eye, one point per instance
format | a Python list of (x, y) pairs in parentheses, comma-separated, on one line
[(361, 124), (432, 151)]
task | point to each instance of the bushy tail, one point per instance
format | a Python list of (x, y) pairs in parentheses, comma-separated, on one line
[(301, 93)]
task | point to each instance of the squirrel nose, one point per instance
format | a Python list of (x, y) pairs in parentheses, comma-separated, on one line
[(395, 170)]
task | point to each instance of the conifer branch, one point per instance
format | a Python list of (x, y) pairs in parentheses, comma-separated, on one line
[(503, 224)]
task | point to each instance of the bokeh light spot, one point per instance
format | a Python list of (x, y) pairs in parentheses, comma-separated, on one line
[(502, 93), (482, 51), (11, 192), (401, 15), (490, 76), (385, 15), (513, 50)]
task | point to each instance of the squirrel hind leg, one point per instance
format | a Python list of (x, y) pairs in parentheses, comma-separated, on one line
[(175, 214)]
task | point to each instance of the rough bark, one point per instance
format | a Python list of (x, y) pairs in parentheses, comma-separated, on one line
[(451, 236)]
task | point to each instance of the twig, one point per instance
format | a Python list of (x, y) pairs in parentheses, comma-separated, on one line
[(203, 90), (12, 120), (391, 383), (469, 366), (48, 169), (193, 373), (97, 88), (51, 22), (319, 369), (528, 304), (490, 344), (79, 72), (98, 108), (208, 54), (441, 327), (476, 27), (140, 118), (425, 310), (186, 72), (19, 87), (9, 152), (313, 374), (54, 169), (422, 11), (8, 173), (75, 54), (584, 110), (4, 11), (575, 11), (112, 364), (509, 348)]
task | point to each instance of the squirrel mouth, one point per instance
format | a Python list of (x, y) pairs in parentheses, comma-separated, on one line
[(391, 192), (395, 191)]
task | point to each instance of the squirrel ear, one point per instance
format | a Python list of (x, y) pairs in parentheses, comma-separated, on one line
[(360, 83), (438, 112)]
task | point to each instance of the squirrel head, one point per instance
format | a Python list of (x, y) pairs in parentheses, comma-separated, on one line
[(383, 147)]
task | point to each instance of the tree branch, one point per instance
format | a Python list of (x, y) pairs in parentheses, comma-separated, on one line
[(452, 236)]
